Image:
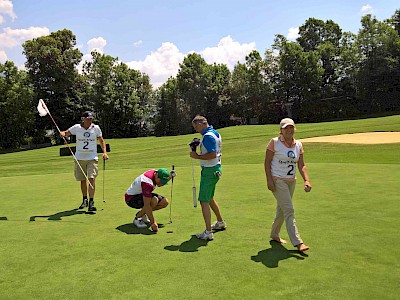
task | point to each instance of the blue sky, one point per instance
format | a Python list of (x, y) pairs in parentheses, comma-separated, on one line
[(154, 35)]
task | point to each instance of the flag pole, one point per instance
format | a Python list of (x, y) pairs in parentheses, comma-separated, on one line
[(43, 105)]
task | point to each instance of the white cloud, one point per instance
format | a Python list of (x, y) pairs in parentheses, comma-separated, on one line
[(161, 64), (293, 33), (3, 56), (6, 8), (138, 43), (10, 38), (366, 9), (227, 52), (96, 43), (164, 62)]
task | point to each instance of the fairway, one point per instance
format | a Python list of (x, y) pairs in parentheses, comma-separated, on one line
[(51, 250)]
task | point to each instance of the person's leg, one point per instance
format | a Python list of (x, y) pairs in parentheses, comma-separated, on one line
[(205, 208), (160, 204), (84, 188), (277, 225), (92, 187), (283, 194), (215, 208)]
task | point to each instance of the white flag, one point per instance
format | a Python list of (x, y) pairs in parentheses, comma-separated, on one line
[(42, 108)]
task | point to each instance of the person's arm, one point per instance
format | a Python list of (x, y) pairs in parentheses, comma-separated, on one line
[(206, 156), (303, 172), (65, 133), (267, 167), (149, 212), (103, 146)]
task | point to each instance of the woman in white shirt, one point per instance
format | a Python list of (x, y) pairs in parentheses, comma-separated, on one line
[(281, 157)]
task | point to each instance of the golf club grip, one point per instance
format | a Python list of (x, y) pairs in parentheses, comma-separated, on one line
[(194, 197)]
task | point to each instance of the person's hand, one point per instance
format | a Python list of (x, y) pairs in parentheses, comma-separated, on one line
[(173, 173), (271, 186), (105, 156), (154, 227), (62, 133), (307, 186)]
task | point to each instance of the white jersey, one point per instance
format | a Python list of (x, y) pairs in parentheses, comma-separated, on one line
[(218, 144), (86, 141), (136, 186), (284, 162)]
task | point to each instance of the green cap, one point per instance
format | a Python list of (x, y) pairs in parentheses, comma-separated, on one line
[(163, 174)]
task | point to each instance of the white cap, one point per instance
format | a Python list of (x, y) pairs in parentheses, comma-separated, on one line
[(286, 122)]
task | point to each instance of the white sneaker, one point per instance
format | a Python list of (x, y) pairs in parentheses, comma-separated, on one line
[(145, 219), (218, 225), (138, 222), (208, 236)]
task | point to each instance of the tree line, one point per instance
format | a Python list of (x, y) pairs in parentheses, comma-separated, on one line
[(326, 74)]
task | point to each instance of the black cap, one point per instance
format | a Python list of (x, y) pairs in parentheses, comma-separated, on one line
[(87, 114)]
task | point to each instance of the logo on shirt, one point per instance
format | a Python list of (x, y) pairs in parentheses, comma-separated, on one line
[(291, 154), (86, 134)]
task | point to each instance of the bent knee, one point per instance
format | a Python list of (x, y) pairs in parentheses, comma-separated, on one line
[(163, 203)]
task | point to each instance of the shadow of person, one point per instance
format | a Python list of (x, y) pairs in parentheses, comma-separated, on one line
[(271, 257), (129, 228), (191, 245), (58, 216)]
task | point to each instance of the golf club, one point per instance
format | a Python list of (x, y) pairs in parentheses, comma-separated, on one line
[(104, 174), (172, 185), (194, 187)]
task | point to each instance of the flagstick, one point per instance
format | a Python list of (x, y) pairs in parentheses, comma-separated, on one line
[(65, 141)]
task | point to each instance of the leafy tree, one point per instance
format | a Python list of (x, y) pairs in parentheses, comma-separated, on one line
[(379, 76), (51, 65), (168, 111), (16, 107), (120, 97)]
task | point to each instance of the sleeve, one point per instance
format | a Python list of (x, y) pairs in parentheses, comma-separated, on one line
[(301, 147), (98, 131), (271, 145), (73, 129), (209, 143), (147, 189)]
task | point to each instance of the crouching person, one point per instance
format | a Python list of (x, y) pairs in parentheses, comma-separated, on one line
[(140, 196)]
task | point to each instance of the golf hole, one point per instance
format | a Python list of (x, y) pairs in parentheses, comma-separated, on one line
[(170, 231)]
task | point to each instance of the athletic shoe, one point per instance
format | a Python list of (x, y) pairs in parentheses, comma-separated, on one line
[(218, 225), (146, 220), (138, 222), (84, 204), (91, 206), (208, 236)]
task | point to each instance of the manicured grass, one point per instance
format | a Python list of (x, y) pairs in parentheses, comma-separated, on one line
[(350, 219)]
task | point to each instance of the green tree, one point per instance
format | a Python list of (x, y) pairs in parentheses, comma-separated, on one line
[(16, 107), (120, 97), (51, 64), (379, 65)]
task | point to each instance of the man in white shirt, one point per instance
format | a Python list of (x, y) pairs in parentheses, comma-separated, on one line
[(87, 134)]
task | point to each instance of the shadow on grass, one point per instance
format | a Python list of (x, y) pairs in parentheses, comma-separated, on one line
[(191, 245), (58, 216), (3, 219), (271, 257), (132, 229)]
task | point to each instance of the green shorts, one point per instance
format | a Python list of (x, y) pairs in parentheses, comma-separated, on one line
[(208, 181)]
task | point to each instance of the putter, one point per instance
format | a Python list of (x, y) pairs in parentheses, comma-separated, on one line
[(170, 206), (104, 174), (194, 187)]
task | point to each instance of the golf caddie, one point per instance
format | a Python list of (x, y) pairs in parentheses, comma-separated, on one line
[(140, 195), (86, 164), (210, 162)]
